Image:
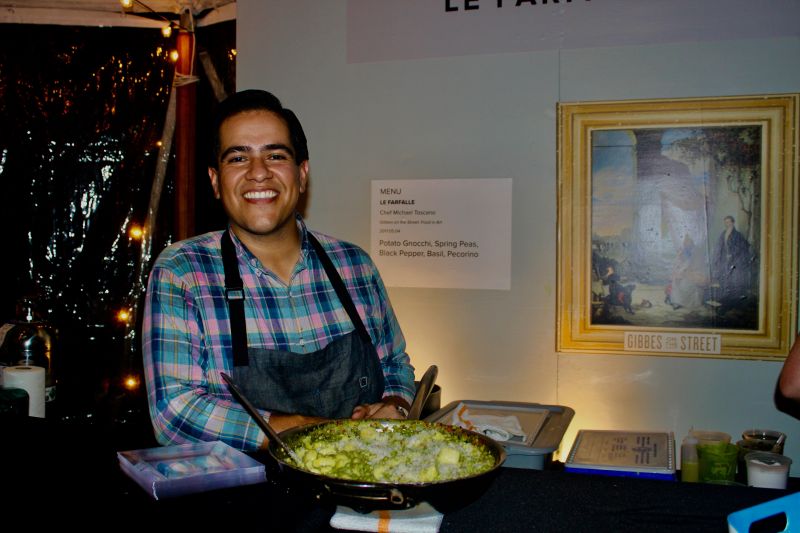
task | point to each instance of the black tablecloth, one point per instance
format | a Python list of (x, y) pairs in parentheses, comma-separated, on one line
[(70, 476)]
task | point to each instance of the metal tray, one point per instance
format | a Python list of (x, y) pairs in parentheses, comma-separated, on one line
[(544, 425)]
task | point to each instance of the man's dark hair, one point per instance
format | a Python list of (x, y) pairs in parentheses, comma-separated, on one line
[(259, 100)]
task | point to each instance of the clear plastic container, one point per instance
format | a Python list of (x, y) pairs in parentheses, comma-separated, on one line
[(690, 463), (710, 437), (766, 440), (186, 468), (767, 469)]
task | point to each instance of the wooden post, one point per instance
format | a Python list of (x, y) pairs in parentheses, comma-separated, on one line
[(185, 130)]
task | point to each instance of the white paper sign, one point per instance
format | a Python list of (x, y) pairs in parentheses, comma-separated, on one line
[(442, 233)]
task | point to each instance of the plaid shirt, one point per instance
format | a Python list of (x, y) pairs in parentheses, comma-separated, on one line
[(186, 334)]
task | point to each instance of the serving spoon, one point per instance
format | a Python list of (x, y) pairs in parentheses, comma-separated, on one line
[(253, 412)]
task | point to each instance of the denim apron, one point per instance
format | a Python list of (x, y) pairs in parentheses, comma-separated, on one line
[(326, 383)]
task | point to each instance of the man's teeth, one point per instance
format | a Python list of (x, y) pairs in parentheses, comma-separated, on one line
[(260, 195)]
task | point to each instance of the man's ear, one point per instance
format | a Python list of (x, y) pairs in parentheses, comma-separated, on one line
[(303, 178), (214, 176)]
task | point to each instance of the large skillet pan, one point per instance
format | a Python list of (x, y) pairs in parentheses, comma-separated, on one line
[(368, 496)]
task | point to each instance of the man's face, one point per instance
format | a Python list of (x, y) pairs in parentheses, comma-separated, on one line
[(728, 223), (258, 181)]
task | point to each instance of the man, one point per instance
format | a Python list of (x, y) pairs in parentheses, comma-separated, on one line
[(305, 341), (788, 389), (732, 264)]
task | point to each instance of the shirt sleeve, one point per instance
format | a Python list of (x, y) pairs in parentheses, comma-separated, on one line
[(187, 399), (398, 373)]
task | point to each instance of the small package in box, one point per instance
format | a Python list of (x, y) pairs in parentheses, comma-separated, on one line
[(186, 468)]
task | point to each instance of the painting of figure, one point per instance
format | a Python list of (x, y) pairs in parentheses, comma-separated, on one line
[(675, 226)]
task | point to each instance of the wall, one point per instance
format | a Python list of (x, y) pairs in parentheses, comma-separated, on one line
[(492, 115)]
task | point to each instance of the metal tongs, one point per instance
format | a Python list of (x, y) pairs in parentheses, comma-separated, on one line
[(423, 392)]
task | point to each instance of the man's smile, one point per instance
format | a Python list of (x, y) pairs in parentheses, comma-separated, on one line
[(260, 195)]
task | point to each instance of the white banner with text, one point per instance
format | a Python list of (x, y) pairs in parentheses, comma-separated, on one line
[(390, 30)]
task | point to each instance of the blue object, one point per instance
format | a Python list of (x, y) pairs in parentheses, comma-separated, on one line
[(622, 473), (740, 521)]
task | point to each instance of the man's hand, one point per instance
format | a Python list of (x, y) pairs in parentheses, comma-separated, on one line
[(280, 421), (385, 409)]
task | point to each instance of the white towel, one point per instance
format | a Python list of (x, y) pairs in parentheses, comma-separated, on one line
[(500, 428), (421, 518)]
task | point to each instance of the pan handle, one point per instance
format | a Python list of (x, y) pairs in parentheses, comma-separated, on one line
[(394, 496), (423, 391)]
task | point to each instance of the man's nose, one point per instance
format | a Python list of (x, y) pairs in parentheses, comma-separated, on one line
[(259, 169)]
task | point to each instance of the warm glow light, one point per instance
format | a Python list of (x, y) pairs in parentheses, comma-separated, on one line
[(159, 143), (126, 4), (136, 232), (131, 382), (174, 56), (123, 315), (166, 31)]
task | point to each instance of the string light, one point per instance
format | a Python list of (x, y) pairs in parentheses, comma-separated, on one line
[(136, 232), (123, 315), (166, 30), (174, 56), (131, 382)]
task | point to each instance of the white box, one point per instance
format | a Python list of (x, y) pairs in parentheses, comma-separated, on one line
[(186, 468)]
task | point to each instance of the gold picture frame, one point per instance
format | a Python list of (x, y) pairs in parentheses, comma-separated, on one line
[(677, 226)]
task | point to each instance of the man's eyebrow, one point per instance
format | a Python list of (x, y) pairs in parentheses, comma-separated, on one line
[(278, 146), (264, 148)]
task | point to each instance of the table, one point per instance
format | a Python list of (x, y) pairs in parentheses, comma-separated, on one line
[(69, 476)]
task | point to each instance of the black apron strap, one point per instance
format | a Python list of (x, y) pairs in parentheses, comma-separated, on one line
[(341, 290), (234, 294)]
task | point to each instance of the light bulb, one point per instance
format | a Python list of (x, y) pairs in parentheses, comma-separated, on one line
[(126, 4), (166, 31), (136, 232), (123, 315), (174, 56), (131, 382)]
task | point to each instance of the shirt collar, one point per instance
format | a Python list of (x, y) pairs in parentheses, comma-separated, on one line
[(248, 257)]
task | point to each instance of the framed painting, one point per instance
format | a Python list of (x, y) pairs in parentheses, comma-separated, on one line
[(677, 226)]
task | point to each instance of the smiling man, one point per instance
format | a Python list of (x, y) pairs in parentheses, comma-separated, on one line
[(301, 320)]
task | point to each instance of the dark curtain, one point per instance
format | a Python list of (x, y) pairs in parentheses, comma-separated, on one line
[(81, 114)]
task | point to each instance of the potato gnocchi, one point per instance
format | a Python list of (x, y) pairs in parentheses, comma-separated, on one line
[(403, 452)]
